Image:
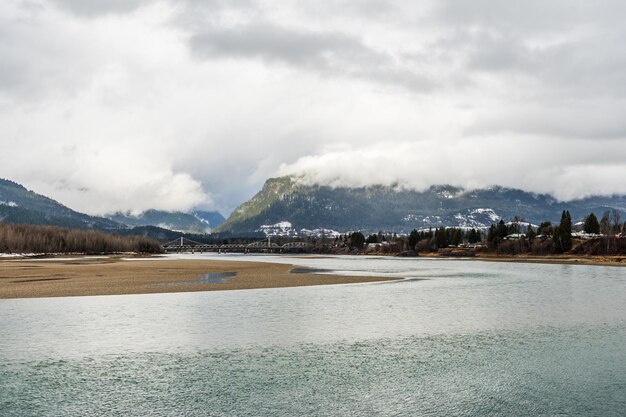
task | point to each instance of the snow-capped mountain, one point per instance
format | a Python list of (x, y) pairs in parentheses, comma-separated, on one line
[(309, 207)]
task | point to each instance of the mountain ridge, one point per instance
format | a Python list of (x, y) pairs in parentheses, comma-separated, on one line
[(391, 208), (194, 222), (20, 205)]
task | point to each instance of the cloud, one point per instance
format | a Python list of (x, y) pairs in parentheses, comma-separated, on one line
[(564, 169), (323, 52), (128, 105), (164, 190), (99, 7), (591, 119)]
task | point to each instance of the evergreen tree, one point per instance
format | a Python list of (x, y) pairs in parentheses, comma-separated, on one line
[(441, 238), (357, 240), (473, 236), (530, 233), (491, 235), (592, 225), (414, 237), (456, 237), (501, 230), (372, 239), (545, 228), (563, 235), (513, 228)]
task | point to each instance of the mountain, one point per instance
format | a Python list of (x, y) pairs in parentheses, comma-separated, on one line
[(176, 221), (195, 222), (19, 205), (375, 208), (210, 218)]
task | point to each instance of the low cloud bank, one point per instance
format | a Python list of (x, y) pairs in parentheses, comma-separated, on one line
[(558, 168)]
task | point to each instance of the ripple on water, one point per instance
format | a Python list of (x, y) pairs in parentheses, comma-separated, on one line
[(576, 371), (473, 339)]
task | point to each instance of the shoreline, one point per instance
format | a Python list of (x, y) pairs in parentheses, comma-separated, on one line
[(615, 261), (591, 260), (599, 260), (114, 276)]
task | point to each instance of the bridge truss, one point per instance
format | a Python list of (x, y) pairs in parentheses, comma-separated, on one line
[(187, 245)]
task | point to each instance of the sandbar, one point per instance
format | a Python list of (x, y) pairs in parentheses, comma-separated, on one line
[(86, 277)]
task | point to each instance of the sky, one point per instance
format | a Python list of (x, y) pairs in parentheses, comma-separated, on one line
[(127, 105)]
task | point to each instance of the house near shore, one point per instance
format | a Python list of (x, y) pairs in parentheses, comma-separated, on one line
[(586, 236), (376, 246), (515, 236)]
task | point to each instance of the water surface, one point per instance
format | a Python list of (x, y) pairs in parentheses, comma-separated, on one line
[(453, 338)]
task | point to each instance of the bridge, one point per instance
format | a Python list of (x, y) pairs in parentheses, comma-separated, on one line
[(187, 245)]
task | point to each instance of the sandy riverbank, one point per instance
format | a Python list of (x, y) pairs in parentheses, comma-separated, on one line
[(612, 260), (563, 259), (62, 278)]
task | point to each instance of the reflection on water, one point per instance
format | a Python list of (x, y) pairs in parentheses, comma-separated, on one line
[(308, 270), (453, 338), (217, 278)]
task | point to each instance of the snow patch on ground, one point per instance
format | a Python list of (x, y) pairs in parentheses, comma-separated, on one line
[(476, 218), (286, 229), (283, 228), (330, 233), (447, 194), (492, 215), (410, 218)]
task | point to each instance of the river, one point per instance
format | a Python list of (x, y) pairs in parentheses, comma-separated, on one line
[(452, 337)]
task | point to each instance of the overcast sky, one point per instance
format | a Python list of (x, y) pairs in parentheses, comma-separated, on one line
[(129, 105)]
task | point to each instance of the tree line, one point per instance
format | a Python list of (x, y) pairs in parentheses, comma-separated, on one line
[(417, 240), (22, 238), (603, 237), (606, 236)]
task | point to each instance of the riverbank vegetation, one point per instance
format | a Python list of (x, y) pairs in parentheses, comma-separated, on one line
[(21, 238), (592, 237)]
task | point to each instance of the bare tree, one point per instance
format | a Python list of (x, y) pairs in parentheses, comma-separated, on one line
[(20, 238), (615, 221), (605, 228)]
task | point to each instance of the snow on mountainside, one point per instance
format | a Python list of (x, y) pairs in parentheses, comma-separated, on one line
[(375, 208), (285, 229), (479, 217), (277, 229), (329, 233), (210, 218)]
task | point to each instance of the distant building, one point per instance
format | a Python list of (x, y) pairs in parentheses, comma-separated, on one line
[(377, 245), (586, 236), (515, 236)]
